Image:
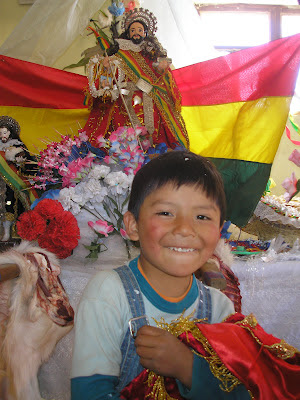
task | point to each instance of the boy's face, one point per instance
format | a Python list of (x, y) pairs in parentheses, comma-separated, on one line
[(178, 230)]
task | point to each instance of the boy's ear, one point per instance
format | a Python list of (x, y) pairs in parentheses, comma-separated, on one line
[(131, 226)]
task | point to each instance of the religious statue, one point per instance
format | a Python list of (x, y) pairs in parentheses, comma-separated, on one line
[(15, 166), (132, 84)]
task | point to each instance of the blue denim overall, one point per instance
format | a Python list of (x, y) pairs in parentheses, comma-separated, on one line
[(130, 367)]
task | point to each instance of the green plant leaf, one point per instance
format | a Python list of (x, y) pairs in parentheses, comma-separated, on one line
[(108, 212), (81, 63), (119, 223), (118, 213), (113, 201), (125, 201), (93, 247)]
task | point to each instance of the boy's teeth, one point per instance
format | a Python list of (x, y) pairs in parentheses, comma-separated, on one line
[(180, 249)]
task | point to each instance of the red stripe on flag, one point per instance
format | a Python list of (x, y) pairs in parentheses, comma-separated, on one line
[(262, 71), (28, 84)]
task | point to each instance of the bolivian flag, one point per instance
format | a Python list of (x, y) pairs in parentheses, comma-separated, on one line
[(46, 102), (235, 108)]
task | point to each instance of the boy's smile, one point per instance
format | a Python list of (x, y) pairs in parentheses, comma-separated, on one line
[(178, 230)]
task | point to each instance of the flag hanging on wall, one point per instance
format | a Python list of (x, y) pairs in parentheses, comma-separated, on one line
[(46, 102), (235, 108)]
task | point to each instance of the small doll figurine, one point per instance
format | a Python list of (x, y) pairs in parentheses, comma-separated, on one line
[(15, 155), (13, 148)]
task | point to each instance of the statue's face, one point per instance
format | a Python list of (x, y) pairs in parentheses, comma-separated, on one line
[(4, 134), (137, 32)]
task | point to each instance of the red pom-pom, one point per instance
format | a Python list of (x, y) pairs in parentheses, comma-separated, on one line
[(30, 225)]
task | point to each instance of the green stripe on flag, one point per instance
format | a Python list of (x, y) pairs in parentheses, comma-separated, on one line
[(244, 182)]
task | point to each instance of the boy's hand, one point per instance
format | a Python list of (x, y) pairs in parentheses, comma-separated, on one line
[(164, 354)]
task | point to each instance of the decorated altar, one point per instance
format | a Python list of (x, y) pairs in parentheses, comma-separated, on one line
[(89, 172), (275, 216)]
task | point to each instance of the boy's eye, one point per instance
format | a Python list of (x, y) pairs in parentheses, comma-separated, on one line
[(202, 217), (165, 213)]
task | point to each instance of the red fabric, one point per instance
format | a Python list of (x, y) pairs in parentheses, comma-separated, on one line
[(28, 84), (138, 388), (241, 76), (267, 70), (267, 377), (106, 118)]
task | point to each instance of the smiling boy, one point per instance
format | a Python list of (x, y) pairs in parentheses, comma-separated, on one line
[(176, 211)]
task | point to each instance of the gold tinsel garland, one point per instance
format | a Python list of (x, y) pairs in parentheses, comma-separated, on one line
[(227, 380), (188, 325)]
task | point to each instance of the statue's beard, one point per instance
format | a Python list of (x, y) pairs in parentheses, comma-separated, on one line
[(137, 39)]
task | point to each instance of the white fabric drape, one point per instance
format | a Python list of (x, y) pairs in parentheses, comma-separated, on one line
[(180, 31), (50, 27)]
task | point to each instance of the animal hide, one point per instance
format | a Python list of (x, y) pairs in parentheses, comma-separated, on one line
[(34, 315)]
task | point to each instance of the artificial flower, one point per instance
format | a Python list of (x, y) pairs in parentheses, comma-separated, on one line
[(61, 235), (102, 142), (119, 182), (55, 229), (124, 234), (101, 227), (49, 208), (295, 157), (30, 225), (130, 6), (93, 180), (116, 9), (104, 19), (83, 136), (99, 172), (290, 185)]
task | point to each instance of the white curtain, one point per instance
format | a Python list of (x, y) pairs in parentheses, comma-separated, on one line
[(180, 31), (50, 26), (48, 29)]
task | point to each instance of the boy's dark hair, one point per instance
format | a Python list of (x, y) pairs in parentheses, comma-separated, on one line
[(179, 168)]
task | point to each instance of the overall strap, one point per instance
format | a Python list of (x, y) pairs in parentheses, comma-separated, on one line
[(204, 306), (130, 366)]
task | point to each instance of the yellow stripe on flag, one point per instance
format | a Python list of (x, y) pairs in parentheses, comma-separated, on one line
[(39, 124), (249, 131)]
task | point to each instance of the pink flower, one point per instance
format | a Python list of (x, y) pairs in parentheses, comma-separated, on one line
[(295, 157), (83, 136), (101, 141), (101, 227), (290, 185), (113, 137), (124, 234), (128, 170), (130, 6), (146, 144)]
